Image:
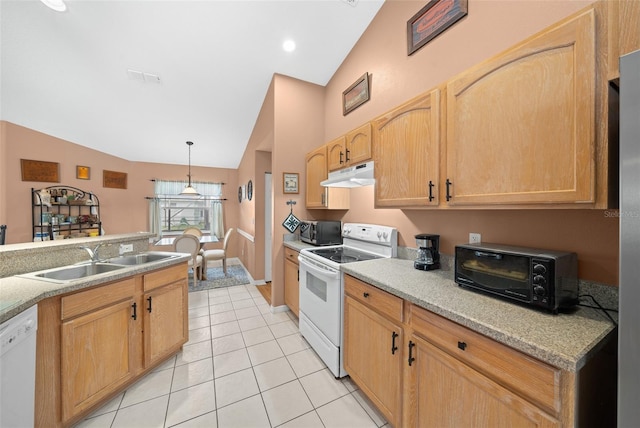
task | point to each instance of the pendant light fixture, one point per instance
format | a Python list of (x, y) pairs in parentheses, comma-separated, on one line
[(189, 190)]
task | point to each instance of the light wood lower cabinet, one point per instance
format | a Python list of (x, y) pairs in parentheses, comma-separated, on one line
[(447, 393), (98, 347), (372, 346), (93, 343), (422, 370), (291, 280)]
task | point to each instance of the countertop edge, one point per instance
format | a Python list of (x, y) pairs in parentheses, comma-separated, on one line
[(34, 291)]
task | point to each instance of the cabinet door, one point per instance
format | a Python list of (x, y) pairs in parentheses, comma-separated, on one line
[(98, 355), (406, 153), (316, 163), (370, 360), (291, 286), (358, 145), (166, 326), (521, 126), (445, 392), (336, 154)]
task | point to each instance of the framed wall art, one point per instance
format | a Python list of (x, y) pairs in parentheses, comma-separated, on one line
[(290, 182), (33, 170), (83, 172), (432, 20), (356, 94), (114, 179)]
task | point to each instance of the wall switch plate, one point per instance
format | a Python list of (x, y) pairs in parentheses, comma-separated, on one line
[(475, 238), (126, 248)]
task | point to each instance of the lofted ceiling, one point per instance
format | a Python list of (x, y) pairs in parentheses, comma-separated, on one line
[(138, 78)]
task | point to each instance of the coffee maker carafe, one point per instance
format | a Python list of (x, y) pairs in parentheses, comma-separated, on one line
[(428, 252)]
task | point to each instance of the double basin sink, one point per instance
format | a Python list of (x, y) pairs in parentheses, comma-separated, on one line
[(84, 270)]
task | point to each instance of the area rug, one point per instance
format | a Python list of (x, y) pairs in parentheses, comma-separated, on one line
[(236, 275)]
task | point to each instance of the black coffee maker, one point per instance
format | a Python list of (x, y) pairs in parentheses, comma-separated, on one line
[(428, 255)]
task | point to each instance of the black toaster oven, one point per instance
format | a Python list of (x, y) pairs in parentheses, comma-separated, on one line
[(540, 278)]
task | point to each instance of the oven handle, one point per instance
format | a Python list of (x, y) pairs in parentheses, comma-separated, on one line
[(318, 269)]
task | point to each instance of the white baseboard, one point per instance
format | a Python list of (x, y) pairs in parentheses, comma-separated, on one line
[(281, 308)]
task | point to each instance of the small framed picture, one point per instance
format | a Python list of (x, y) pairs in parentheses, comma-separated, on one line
[(83, 172), (290, 182), (356, 94)]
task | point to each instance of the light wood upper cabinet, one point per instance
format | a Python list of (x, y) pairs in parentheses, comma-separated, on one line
[(317, 196), (358, 145), (406, 152), (336, 153), (350, 149), (521, 126)]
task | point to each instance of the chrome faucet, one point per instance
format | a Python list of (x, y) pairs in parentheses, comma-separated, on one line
[(93, 253)]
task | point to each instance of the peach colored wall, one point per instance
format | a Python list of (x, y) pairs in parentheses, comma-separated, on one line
[(298, 128), (122, 211), (489, 28)]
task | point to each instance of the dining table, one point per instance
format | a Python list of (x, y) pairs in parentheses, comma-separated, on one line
[(204, 239)]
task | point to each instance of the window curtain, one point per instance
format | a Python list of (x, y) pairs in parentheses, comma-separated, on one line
[(217, 219), (154, 217), (167, 187)]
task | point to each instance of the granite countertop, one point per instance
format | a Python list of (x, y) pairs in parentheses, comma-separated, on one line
[(566, 340), (18, 293), (297, 245)]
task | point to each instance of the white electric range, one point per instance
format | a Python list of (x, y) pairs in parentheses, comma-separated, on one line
[(322, 286)]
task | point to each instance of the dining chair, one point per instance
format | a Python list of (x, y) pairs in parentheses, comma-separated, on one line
[(192, 230), (190, 244), (219, 254)]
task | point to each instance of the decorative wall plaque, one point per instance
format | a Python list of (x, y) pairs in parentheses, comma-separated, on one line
[(114, 179), (33, 170)]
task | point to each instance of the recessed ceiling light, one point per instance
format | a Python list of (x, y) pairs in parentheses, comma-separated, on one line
[(57, 5), (289, 46)]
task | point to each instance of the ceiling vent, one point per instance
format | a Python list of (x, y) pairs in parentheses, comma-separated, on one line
[(143, 76)]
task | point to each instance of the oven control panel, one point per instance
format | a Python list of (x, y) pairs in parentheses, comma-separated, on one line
[(384, 235)]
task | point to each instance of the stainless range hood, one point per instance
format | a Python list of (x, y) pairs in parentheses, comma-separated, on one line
[(353, 176)]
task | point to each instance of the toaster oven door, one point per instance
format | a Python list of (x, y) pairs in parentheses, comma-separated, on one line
[(495, 272)]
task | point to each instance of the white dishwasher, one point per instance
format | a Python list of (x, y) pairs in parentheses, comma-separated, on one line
[(18, 369)]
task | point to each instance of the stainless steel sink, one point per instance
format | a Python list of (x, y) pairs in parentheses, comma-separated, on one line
[(70, 273), (139, 259)]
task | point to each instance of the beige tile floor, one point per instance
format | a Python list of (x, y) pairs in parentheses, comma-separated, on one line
[(242, 367)]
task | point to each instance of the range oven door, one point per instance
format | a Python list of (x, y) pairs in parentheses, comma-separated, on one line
[(321, 297)]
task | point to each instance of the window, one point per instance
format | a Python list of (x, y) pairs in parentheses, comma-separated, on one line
[(171, 212)]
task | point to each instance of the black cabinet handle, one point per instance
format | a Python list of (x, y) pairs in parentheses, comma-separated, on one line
[(365, 295), (347, 159), (431, 185), (135, 311), (411, 359), (449, 184), (341, 154), (394, 348), (462, 345), (149, 300)]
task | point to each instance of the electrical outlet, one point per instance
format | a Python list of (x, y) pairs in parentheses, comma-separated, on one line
[(475, 238), (128, 248)]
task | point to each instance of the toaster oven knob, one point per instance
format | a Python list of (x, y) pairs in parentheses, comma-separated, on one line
[(539, 269), (539, 280), (539, 290)]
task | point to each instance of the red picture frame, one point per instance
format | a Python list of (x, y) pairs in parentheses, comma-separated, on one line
[(432, 20)]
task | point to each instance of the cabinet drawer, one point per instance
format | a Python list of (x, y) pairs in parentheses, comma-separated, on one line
[(533, 379), (290, 254), (383, 302), (90, 300), (165, 276)]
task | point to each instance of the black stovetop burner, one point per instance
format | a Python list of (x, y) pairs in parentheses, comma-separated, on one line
[(344, 254)]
